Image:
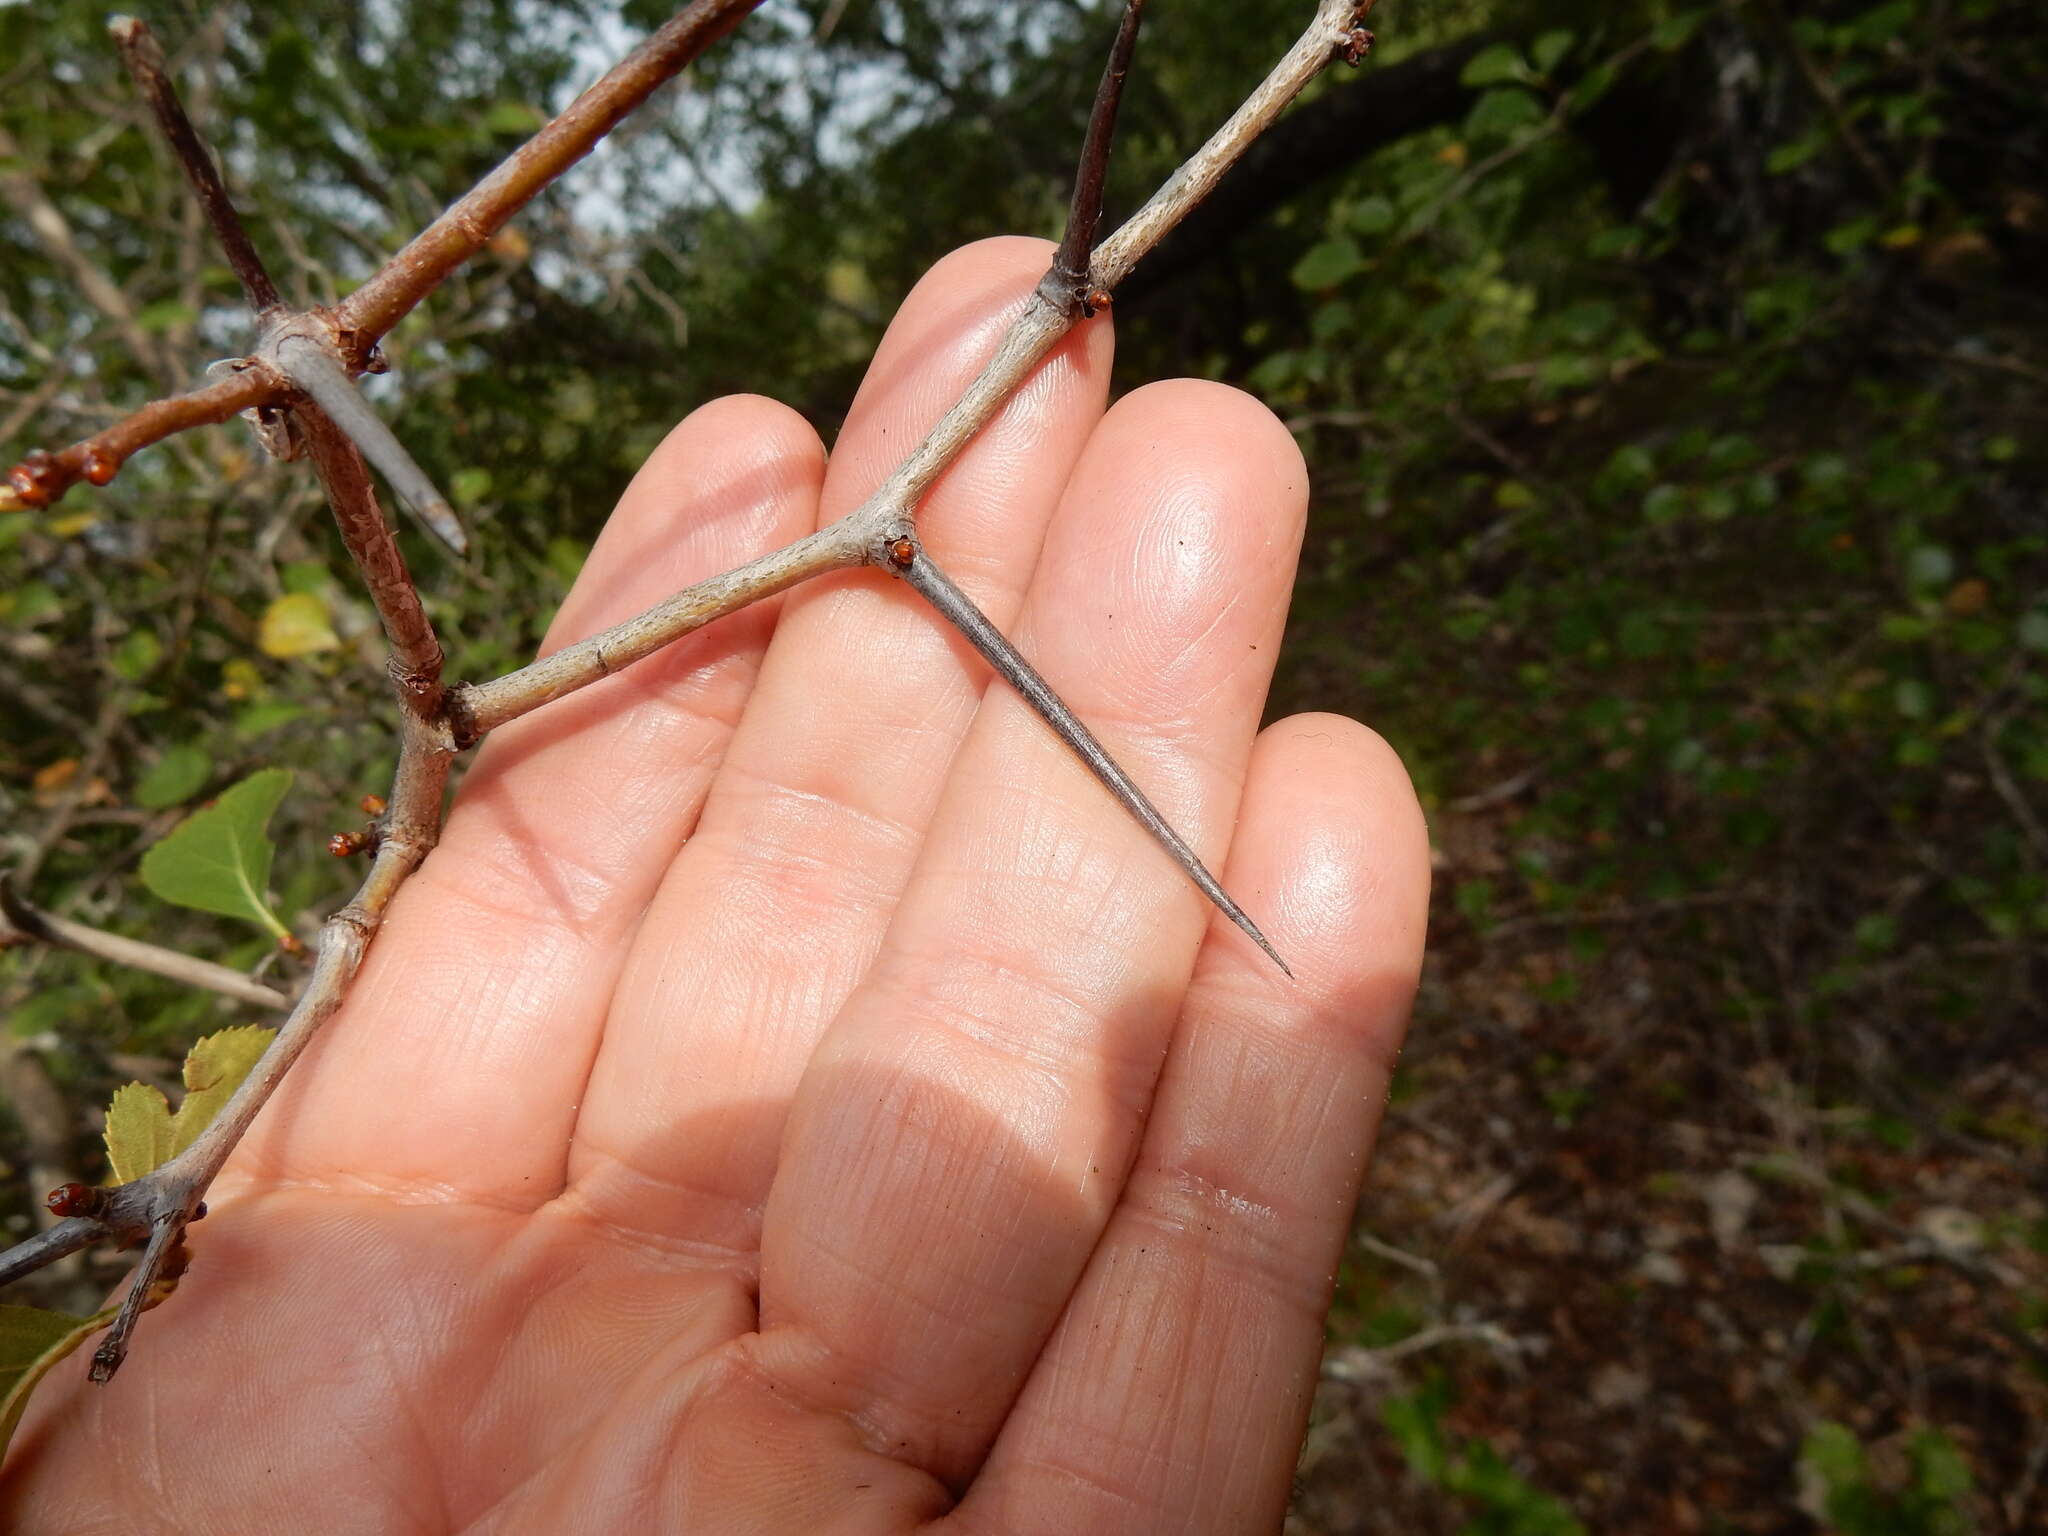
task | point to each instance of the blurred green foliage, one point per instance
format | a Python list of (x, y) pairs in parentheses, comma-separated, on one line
[(1930, 1502), (1470, 1470)]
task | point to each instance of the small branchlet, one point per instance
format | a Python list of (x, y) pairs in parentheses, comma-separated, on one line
[(42, 477), (145, 61)]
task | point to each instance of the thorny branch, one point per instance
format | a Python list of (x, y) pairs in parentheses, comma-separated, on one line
[(302, 368), (145, 61), (404, 282)]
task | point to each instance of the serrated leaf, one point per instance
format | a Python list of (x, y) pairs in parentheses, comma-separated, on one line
[(174, 777), (138, 1131), (296, 625), (31, 1342), (218, 858), (214, 1069)]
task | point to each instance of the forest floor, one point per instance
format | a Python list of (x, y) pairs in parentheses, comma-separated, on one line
[(1589, 1290)]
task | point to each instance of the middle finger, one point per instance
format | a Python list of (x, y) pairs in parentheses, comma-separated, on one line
[(775, 908)]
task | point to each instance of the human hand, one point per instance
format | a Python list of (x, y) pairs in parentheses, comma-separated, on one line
[(794, 1096)]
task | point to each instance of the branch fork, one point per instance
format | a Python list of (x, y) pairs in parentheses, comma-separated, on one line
[(299, 383)]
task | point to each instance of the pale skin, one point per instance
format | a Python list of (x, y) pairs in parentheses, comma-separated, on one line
[(794, 1097)]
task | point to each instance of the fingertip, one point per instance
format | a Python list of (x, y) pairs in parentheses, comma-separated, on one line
[(1264, 451), (724, 443), (1332, 853), (737, 476)]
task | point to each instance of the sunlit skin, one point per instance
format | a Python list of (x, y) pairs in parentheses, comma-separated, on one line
[(794, 1097)]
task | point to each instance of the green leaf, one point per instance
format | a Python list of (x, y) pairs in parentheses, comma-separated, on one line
[(1832, 1454), (1328, 264), (138, 654), (1664, 504), (139, 1132), (1789, 157), (175, 777), (1679, 29), (164, 315), (31, 1342), (1549, 49), (266, 716), (1930, 566), (512, 117), (142, 1133), (1939, 1469), (1375, 216), (1494, 66), (1500, 113), (296, 625), (218, 858), (565, 558), (305, 576), (467, 487), (214, 1069)]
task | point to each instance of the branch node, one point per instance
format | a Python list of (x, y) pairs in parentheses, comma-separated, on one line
[(311, 365)]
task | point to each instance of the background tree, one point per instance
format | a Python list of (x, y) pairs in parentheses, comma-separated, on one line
[(1673, 379)]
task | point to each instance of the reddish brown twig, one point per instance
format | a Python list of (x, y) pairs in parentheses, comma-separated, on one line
[(460, 232), (41, 478), (145, 60), (415, 663)]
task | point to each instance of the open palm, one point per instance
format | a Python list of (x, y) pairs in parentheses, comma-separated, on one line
[(794, 1097)]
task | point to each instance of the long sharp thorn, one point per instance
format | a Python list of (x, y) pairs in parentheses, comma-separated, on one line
[(1084, 214), (953, 605), (321, 377)]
